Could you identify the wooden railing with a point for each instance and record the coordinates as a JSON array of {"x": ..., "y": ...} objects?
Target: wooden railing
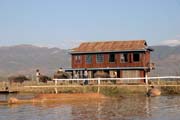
[{"x": 122, "y": 80}]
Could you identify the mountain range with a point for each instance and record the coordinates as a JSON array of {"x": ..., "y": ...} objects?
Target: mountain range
[
  {"x": 166, "y": 59},
  {"x": 25, "y": 59}
]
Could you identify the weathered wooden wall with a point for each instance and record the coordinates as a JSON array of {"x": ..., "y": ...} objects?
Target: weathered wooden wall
[{"x": 144, "y": 60}]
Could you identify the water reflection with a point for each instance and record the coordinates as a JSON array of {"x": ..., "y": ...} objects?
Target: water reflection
[{"x": 134, "y": 107}]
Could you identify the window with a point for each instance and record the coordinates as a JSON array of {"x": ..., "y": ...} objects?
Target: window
[
  {"x": 88, "y": 59},
  {"x": 78, "y": 59},
  {"x": 99, "y": 58},
  {"x": 112, "y": 57},
  {"x": 124, "y": 57},
  {"x": 136, "y": 57}
]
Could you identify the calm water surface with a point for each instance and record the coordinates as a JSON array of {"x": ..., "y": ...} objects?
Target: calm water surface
[{"x": 127, "y": 108}]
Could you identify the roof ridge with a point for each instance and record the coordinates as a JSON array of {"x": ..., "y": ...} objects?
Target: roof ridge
[
  {"x": 101, "y": 46},
  {"x": 113, "y": 41}
]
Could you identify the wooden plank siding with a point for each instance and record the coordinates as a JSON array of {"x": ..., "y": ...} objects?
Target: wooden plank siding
[
  {"x": 142, "y": 73},
  {"x": 143, "y": 61}
]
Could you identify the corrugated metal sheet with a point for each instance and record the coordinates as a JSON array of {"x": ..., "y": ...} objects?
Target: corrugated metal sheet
[{"x": 111, "y": 46}]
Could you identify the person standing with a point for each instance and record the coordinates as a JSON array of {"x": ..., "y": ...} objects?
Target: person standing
[
  {"x": 76, "y": 75},
  {"x": 115, "y": 74},
  {"x": 37, "y": 75},
  {"x": 60, "y": 70}
]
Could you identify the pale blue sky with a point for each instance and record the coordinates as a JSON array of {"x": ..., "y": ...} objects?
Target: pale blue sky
[{"x": 65, "y": 23}]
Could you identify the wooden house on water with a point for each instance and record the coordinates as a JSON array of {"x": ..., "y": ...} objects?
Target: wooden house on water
[{"x": 122, "y": 59}]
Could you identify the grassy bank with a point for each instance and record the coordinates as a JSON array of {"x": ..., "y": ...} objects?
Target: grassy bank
[{"x": 109, "y": 90}]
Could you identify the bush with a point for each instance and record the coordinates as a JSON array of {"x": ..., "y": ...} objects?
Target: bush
[{"x": 18, "y": 79}]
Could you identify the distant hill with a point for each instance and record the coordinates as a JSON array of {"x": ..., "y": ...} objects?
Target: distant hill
[
  {"x": 166, "y": 59},
  {"x": 25, "y": 59}
]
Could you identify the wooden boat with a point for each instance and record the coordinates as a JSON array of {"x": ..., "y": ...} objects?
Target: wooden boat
[
  {"x": 62, "y": 97},
  {"x": 7, "y": 92}
]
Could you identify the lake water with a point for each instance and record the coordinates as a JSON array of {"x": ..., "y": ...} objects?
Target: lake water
[{"x": 133, "y": 107}]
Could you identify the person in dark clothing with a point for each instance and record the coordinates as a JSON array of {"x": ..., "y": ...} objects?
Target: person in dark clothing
[{"x": 85, "y": 76}]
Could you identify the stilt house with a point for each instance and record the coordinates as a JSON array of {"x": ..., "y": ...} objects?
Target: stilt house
[{"x": 123, "y": 59}]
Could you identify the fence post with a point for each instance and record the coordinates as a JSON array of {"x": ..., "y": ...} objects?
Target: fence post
[
  {"x": 55, "y": 82},
  {"x": 99, "y": 81},
  {"x": 158, "y": 80},
  {"x": 146, "y": 80},
  {"x": 55, "y": 89}
]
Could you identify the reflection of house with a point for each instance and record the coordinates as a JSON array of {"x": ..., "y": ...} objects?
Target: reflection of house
[{"x": 124, "y": 58}]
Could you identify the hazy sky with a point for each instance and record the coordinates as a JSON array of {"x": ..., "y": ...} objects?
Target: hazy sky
[{"x": 65, "y": 23}]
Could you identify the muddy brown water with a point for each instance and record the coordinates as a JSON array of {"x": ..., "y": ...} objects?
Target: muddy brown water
[{"x": 131, "y": 107}]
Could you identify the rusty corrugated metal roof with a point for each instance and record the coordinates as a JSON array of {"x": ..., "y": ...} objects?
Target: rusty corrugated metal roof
[{"x": 111, "y": 46}]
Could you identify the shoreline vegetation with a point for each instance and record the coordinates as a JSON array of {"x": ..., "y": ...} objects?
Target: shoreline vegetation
[
  {"x": 49, "y": 92},
  {"x": 166, "y": 87}
]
